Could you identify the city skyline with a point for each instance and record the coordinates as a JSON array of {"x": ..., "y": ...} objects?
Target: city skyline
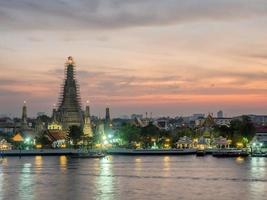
[{"x": 136, "y": 56}]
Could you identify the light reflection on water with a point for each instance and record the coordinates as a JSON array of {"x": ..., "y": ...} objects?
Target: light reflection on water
[
  {"x": 26, "y": 182},
  {"x": 130, "y": 177},
  {"x": 63, "y": 163},
  {"x": 105, "y": 180},
  {"x": 258, "y": 171}
]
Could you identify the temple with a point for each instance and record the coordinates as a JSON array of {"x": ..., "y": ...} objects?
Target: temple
[
  {"x": 87, "y": 129},
  {"x": 69, "y": 109},
  {"x": 24, "y": 123}
]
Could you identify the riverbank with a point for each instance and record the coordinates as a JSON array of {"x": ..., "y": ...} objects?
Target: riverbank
[{"x": 58, "y": 152}]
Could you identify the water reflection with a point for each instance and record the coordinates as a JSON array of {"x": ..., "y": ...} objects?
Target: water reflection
[
  {"x": 38, "y": 162},
  {"x": 240, "y": 160},
  {"x": 63, "y": 163},
  {"x": 26, "y": 182},
  {"x": 258, "y": 172},
  {"x": 159, "y": 177},
  {"x": 1, "y": 181},
  {"x": 105, "y": 184},
  {"x": 166, "y": 163}
]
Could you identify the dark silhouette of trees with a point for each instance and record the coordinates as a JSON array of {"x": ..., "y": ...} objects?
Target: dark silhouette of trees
[{"x": 75, "y": 134}]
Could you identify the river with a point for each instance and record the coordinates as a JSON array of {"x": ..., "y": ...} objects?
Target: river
[{"x": 133, "y": 177}]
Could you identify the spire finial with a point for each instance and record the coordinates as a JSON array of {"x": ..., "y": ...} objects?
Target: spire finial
[{"x": 70, "y": 60}]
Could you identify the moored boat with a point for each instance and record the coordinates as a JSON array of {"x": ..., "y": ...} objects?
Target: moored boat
[
  {"x": 259, "y": 154},
  {"x": 230, "y": 153},
  {"x": 88, "y": 155},
  {"x": 144, "y": 152},
  {"x": 201, "y": 152}
]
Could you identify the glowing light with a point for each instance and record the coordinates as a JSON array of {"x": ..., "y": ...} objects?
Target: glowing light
[
  {"x": 166, "y": 145},
  {"x": 105, "y": 142},
  {"x": 137, "y": 145},
  {"x": 239, "y": 145},
  {"x": 27, "y": 140},
  {"x": 38, "y": 146}
]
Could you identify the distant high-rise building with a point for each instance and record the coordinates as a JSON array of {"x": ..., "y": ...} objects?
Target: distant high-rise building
[
  {"x": 220, "y": 114},
  {"x": 69, "y": 110}
]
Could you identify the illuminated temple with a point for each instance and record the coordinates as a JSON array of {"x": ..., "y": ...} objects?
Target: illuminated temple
[{"x": 69, "y": 107}]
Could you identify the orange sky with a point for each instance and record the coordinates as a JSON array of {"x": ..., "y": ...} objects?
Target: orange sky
[{"x": 167, "y": 57}]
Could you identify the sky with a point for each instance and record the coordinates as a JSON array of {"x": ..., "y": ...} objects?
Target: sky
[{"x": 171, "y": 57}]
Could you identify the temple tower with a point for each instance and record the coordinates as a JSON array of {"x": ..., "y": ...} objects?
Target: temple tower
[
  {"x": 69, "y": 109},
  {"x": 108, "y": 123},
  {"x": 24, "y": 123},
  {"x": 87, "y": 129}
]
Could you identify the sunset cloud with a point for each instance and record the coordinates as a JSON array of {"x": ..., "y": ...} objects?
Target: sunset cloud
[
  {"x": 169, "y": 57},
  {"x": 110, "y": 14}
]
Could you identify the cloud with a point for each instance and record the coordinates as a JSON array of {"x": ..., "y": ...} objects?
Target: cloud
[{"x": 110, "y": 14}]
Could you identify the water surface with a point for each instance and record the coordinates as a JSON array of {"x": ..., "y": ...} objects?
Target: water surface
[{"x": 133, "y": 177}]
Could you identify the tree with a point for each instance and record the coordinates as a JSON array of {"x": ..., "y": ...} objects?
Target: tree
[
  {"x": 75, "y": 134},
  {"x": 149, "y": 133},
  {"x": 129, "y": 133},
  {"x": 43, "y": 140},
  {"x": 242, "y": 128}
]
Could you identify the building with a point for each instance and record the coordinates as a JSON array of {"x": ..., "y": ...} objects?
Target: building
[
  {"x": 7, "y": 126},
  {"x": 69, "y": 110},
  {"x": 259, "y": 119},
  {"x": 24, "y": 118},
  {"x": 25, "y": 126},
  {"x": 87, "y": 128},
  {"x": 223, "y": 121},
  {"x": 162, "y": 124},
  {"x": 259, "y": 142},
  {"x": 134, "y": 116},
  {"x": 108, "y": 123},
  {"x": 220, "y": 114}
]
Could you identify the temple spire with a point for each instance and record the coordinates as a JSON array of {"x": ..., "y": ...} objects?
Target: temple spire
[
  {"x": 108, "y": 123},
  {"x": 24, "y": 115},
  {"x": 24, "y": 112},
  {"x": 69, "y": 102},
  {"x": 87, "y": 129}
]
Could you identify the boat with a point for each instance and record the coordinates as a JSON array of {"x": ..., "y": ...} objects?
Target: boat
[
  {"x": 201, "y": 152},
  {"x": 230, "y": 153},
  {"x": 122, "y": 151},
  {"x": 88, "y": 155},
  {"x": 259, "y": 154}
]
